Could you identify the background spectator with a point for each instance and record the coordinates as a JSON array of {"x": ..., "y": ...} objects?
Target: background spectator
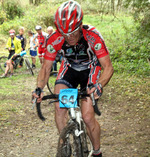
[{"x": 23, "y": 42}]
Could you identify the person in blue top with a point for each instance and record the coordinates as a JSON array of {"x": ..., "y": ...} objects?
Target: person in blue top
[
  {"x": 33, "y": 49},
  {"x": 23, "y": 42}
]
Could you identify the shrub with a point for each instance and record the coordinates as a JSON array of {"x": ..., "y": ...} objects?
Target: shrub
[
  {"x": 12, "y": 8},
  {"x": 2, "y": 16},
  {"x": 42, "y": 15}
]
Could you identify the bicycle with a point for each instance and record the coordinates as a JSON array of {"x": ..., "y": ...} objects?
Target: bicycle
[
  {"x": 73, "y": 140},
  {"x": 16, "y": 61},
  {"x": 3, "y": 60}
]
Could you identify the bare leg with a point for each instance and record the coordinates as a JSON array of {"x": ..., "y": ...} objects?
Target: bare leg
[
  {"x": 7, "y": 67},
  {"x": 41, "y": 60},
  {"x": 33, "y": 60},
  {"x": 60, "y": 114},
  {"x": 11, "y": 67},
  {"x": 93, "y": 127}
]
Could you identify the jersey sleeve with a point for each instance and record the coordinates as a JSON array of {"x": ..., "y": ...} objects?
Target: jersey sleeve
[
  {"x": 96, "y": 41},
  {"x": 100, "y": 48},
  {"x": 50, "y": 52},
  {"x": 36, "y": 35},
  {"x": 54, "y": 44}
]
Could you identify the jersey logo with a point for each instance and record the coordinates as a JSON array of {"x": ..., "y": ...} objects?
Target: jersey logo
[
  {"x": 57, "y": 41},
  {"x": 98, "y": 46},
  {"x": 91, "y": 39},
  {"x": 69, "y": 50},
  {"x": 50, "y": 49}
]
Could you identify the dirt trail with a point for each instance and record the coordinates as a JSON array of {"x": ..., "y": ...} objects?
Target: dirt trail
[{"x": 124, "y": 132}]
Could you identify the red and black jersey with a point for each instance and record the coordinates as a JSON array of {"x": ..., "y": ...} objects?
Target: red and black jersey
[{"x": 87, "y": 51}]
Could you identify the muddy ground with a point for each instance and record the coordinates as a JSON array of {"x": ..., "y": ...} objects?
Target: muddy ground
[{"x": 125, "y": 124}]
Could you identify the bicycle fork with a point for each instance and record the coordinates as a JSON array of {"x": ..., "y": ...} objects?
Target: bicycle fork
[{"x": 76, "y": 115}]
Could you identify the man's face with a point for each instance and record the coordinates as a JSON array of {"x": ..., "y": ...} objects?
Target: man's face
[
  {"x": 50, "y": 31},
  {"x": 29, "y": 34},
  {"x": 72, "y": 38},
  {"x": 39, "y": 31},
  {"x": 21, "y": 32},
  {"x": 12, "y": 36}
]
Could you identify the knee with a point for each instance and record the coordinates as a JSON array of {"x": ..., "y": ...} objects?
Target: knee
[
  {"x": 7, "y": 62},
  {"x": 58, "y": 111},
  {"x": 88, "y": 118}
]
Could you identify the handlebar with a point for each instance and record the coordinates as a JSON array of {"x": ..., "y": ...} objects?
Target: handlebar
[{"x": 81, "y": 95}]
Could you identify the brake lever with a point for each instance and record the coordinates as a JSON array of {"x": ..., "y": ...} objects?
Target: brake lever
[
  {"x": 34, "y": 103},
  {"x": 38, "y": 107},
  {"x": 94, "y": 102},
  {"x": 93, "y": 99}
]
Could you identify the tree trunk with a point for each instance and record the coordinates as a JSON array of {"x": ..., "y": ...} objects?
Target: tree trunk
[
  {"x": 119, "y": 3},
  {"x": 112, "y": 6},
  {"x": 30, "y": 1},
  {"x": 37, "y": 2},
  {"x": 2, "y": 3}
]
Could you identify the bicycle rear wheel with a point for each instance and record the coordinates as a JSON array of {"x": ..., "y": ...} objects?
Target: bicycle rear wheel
[
  {"x": 69, "y": 145},
  {"x": 29, "y": 66},
  {"x": 3, "y": 60}
]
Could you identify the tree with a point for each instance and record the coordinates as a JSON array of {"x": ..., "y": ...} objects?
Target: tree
[
  {"x": 141, "y": 14},
  {"x": 30, "y": 1},
  {"x": 112, "y": 6},
  {"x": 37, "y": 2}
]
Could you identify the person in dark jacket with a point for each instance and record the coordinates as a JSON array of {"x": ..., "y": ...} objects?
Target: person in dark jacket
[{"x": 23, "y": 42}]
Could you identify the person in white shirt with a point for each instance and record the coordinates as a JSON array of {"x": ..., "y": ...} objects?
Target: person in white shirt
[{"x": 33, "y": 49}]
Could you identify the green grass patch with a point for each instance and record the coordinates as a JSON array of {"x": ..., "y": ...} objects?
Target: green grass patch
[{"x": 128, "y": 54}]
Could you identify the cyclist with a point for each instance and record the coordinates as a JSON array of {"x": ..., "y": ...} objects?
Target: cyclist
[
  {"x": 84, "y": 54},
  {"x": 33, "y": 51},
  {"x": 41, "y": 36},
  {"x": 23, "y": 42},
  {"x": 14, "y": 47}
]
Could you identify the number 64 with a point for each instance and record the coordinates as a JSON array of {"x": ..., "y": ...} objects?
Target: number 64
[{"x": 65, "y": 100}]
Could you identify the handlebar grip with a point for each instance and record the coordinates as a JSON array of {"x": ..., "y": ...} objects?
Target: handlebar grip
[
  {"x": 38, "y": 107},
  {"x": 96, "y": 110},
  {"x": 94, "y": 102}
]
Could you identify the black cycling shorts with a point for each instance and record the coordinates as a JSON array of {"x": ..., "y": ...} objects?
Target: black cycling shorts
[
  {"x": 72, "y": 78},
  {"x": 11, "y": 53}
]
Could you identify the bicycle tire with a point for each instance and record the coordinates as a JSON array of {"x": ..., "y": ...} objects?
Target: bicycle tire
[
  {"x": 3, "y": 60},
  {"x": 85, "y": 142},
  {"x": 65, "y": 149},
  {"x": 29, "y": 66}
]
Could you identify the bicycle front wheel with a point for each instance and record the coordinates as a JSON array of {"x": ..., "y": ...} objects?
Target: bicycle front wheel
[
  {"x": 86, "y": 143},
  {"x": 29, "y": 66},
  {"x": 69, "y": 145}
]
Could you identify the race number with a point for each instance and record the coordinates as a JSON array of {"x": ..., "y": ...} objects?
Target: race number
[{"x": 68, "y": 98}]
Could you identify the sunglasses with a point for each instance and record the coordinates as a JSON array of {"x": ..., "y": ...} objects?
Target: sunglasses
[{"x": 71, "y": 33}]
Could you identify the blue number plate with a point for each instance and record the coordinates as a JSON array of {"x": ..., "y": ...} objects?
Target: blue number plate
[{"x": 68, "y": 98}]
